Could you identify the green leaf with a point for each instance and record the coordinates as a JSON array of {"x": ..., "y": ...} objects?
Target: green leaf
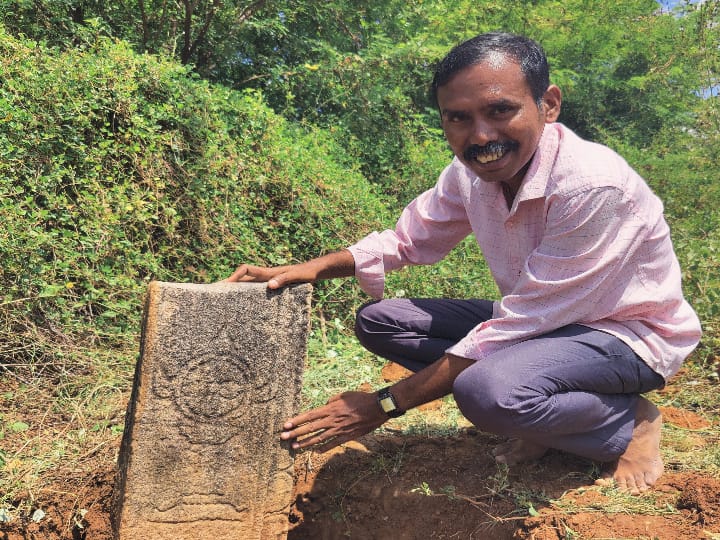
[{"x": 18, "y": 427}]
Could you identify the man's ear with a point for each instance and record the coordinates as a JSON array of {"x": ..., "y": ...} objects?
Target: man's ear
[{"x": 551, "y": 103}]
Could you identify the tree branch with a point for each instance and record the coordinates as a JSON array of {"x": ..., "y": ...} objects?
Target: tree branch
[
  {"x": 248, "y": 11},
  {"x": 203, "y": 31},
  {"x": 187, "y": 30}
]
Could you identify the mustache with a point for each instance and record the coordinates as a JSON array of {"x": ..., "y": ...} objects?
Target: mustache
[{"x": 475, "y": 150}]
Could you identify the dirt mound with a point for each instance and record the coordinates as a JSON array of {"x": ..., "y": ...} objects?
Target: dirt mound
[{"x": 413, "y": 487}]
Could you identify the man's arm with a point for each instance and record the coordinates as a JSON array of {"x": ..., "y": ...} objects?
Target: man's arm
[
  {"x": 350, "y": 415},
  {"x": 332, "y": 265}
]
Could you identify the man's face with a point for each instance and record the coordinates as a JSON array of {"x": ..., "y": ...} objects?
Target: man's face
[{"x": 491, "y": 120}]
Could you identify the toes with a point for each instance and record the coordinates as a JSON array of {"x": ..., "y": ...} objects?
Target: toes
[
  {"x": 632, "y": 488},
  {"x": 631, "y": 484},
  {"x": 641, "y": 483},
  {"x": 621, "y": 484}
]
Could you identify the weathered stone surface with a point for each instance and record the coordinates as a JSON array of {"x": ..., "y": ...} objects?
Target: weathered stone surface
[{"x": 220, "y": 370}]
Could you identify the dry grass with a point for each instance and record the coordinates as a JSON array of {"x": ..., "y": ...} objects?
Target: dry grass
[{"x": 59, "y": 423}]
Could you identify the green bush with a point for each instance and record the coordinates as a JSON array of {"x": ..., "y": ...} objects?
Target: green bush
[{"x": 117, "y": 168}]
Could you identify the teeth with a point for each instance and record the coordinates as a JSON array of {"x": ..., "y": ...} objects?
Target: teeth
[{"x": 489, "y": 157}]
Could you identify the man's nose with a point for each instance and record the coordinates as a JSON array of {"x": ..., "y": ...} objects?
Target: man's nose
[{"x": 482, "y": 132}]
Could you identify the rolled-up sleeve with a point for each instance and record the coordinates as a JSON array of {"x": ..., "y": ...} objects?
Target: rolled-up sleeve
[{"x": 428, "y": 228}]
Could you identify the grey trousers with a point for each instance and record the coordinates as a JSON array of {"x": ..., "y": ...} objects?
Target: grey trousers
[{"x": 573, "y": 389}]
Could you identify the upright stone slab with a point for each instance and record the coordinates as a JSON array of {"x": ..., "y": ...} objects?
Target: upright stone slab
[{"x": 220, "y": 370}]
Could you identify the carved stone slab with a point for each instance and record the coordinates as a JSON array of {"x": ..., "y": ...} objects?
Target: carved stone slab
[{"x": 220, "y": 370}]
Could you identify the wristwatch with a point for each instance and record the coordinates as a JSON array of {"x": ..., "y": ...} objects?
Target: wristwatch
[{"x": 388, "y": 404}]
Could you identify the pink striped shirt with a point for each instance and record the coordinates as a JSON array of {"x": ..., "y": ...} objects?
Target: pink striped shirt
[{"x": 585, "y": 242}]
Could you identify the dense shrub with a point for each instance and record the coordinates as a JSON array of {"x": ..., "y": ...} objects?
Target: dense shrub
[{"x": 116, "y": 169}]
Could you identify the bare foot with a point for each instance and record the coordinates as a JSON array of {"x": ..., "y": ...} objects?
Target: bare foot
[
  {"x": 640, "y": 466},
  {"x": 518, "y": 450}
]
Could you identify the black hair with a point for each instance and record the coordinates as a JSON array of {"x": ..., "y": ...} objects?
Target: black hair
[{"x": 526, "y": 52}]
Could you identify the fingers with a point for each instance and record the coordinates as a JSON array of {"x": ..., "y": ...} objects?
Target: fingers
[
  {"x": 303, "y": 430},
  {"x": 314, "y": 423},
  {"x": 235, "y": 276},
  {"x": 345, "y": 417},
  {"x": 307, "y": 435},
  {"x": 306, "y": 418},
  {"x": 318, "y": 441},
  {"x": 324, "y": 440},
  {"x": 308, "y": 422},
  {"x": 275, "y": 277},
  {"x": 246, "y": 272},
  {"x": 287, "y": 275},
  {"x": 279, "y": 281},
  {"x": 321, "y": 429}
]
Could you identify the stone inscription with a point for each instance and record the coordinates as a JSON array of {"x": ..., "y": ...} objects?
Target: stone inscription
[{"x": 220, "y": 370}]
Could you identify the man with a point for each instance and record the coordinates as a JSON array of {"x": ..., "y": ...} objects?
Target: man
[{"x": 591, "y": 315}]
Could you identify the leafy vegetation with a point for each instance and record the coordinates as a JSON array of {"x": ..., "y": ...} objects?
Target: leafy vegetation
[
  {"x": 117, "y": 169},
  {"x": 121, "y": 168}
]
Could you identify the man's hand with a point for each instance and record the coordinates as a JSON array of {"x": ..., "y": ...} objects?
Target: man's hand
[
  {"x": 352, "y": 414},
  {"x": 346, "y": 417},
  {"x": 338, "y": 264},
  {"x": 275, "y": 277}
]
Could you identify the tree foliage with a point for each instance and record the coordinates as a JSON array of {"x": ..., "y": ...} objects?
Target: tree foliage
[{"x": 627, "y": 69}]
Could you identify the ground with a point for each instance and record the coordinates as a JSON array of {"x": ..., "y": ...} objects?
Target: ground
[
  {"x": 393, "y": 485},
  {"x": 413, "y": 488}
]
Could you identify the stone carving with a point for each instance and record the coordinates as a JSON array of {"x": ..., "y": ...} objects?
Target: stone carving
[{"x": 220, "y": 370}]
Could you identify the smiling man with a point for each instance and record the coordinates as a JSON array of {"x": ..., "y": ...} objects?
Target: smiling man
[{"x": 591, "y": 315}]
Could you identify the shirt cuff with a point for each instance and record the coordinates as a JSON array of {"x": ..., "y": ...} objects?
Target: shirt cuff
[
  {"x": 465, "y": 349},
  {"x": 369, "y": 268},
  {"x": 472, "y": 346}
]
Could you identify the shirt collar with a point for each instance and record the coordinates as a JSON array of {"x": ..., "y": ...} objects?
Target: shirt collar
[{"x": 534, "y": 185}]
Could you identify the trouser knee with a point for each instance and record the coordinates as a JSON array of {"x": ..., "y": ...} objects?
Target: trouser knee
[
  {"x": 366, "y": 328},
  {"x": 484, "y": 401}
]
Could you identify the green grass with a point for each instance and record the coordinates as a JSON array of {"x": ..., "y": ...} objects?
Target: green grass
[{"x": 60, "y": 426}]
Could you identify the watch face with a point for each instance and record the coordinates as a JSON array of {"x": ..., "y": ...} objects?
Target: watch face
[{"x": 387, "y": 403}]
